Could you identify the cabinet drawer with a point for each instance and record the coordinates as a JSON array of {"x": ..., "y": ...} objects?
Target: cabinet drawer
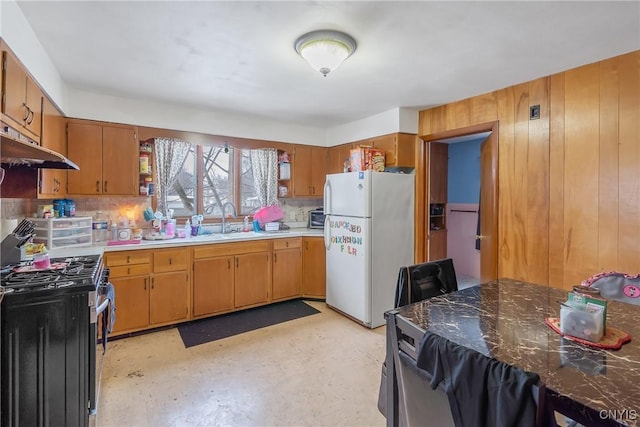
[
  {"x": 293, "y": 242},
  {"x": 217, "y": 249},
  {"x": 170, "y": 260},
  {"x": 127, "y": 258},
  {"x": 129, "y": 270}
]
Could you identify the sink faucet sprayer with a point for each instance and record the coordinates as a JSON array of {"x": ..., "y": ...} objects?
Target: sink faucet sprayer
[{"x": 223, "y": 230}]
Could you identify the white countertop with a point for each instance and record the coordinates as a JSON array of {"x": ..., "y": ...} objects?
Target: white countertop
[{"x": 191, "y": 241}]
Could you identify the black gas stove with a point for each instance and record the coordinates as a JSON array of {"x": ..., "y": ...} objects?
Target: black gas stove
[
  {"x": 48, "y": 322},
  {"x": 67, "y": 272}
]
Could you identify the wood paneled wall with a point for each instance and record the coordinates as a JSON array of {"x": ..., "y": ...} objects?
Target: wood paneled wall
[{"x": 569, "y": 182}]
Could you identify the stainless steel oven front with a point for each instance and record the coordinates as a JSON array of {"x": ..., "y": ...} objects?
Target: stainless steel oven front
[{"x": 99, "y": 303}]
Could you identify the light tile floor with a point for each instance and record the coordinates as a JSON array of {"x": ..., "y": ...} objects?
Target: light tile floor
[{"x": 320, "y": 370}]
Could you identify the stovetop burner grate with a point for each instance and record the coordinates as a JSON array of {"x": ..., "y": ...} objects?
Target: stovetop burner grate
[{"x": 80, "y": 270}]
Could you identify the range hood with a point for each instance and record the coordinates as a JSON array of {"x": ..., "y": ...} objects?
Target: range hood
[{"x": 15, "y": 152}]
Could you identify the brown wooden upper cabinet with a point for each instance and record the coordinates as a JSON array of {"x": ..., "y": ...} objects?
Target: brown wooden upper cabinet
[
  {"x": 438, "y": 169},
  {"x": 399, "y": 148},
  {"x": 107, "y": 156},
  {"x": 309, "y": 170},
  {"x": 337, "y": 157},
  {"x": 21, "y": 98},
  {"x": 52, "y": 182}
]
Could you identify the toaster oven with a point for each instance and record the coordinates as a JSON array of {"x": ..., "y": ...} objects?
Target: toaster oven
[{"x": 316, "y": 218}]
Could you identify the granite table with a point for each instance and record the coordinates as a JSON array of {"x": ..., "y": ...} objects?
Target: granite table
[{"x": 505, "y": 320}]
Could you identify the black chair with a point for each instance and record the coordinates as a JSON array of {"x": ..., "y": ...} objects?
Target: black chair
[
  {"x": 416, "y": 283},
  {"x": 426, "y": 280}
]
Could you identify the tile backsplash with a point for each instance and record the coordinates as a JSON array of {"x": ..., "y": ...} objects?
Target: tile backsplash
[{"x": 295, "y": 210}]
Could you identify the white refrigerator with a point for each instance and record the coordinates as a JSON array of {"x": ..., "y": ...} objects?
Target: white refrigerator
[{"x": 368, "y": 236}]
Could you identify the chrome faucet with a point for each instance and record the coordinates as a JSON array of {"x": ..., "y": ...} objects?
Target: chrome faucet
[{"x": 235, "y": 214}]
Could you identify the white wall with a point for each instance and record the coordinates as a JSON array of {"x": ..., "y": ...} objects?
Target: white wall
[
  {"x": 394, "y": 120},
  {"x": 95, "y": 106},
  {"x": 17, "y": 32}
]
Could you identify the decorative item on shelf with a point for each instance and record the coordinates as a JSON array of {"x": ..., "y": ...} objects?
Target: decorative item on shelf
[
  {"x": 285, "y": 170},
  {"x": 151, "y": 187},
  {"x": 146, "y": 147},
  {"x": 283, "y": 157},
  {"x": 144, "y": 163},
  {"x": 325, "y": 50}
]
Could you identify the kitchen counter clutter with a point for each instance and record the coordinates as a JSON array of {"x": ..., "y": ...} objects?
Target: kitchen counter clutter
[
  {"x": 504, "y": 320},
  {"x": 161, "y": 283},
  {"x": 198, "y": 240}
]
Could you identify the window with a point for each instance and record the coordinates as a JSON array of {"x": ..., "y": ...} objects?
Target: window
[{"x": 210, "y": 177}]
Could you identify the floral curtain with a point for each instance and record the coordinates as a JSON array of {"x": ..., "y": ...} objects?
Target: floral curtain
[
  {"x": 170, "y": 156},
  {"x": 264, "y": 165}
]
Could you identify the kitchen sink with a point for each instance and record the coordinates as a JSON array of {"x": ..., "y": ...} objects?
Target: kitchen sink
[{"x": 208, "y": 237}]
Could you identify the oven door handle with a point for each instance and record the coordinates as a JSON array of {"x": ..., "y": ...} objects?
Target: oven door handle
[{"x": 102, "y": 307}]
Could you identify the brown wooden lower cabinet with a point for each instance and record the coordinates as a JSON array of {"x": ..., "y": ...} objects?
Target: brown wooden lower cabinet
[
  {"x": 213, "y": 285},
  {"x": 437, "y": 244},
  {"x": 287, "y": 269},
  {"x": 251, "y": 279},
  {"x": 132, "y": 303},
  {"x": 168, "y": 298},
  {"x": 166, "y": 286},
  {"x": 149, "y": 293},
  {"x": 314, "y": 272}
]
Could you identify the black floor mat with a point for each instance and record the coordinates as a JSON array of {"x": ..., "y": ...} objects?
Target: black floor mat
[{"x": 226, "y": 325}]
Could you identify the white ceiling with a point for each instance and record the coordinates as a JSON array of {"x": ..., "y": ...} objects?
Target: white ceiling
[{"x": 238, "y": 56}]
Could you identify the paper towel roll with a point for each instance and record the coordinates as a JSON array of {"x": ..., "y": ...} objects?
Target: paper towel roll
[{"x": 7, "y": 226}]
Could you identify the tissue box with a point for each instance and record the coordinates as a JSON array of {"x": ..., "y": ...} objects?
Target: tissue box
[
  {"x": 580, "y": 323},
  {"x": 589, "y": 303}
]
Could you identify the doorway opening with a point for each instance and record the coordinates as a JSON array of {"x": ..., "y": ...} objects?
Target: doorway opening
[
  {"x": 460, "y": 208},
  {"x": 457, "y": 203}
]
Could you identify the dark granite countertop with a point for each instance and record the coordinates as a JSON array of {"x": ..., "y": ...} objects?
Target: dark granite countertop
[{"x": 505, "y": 320}]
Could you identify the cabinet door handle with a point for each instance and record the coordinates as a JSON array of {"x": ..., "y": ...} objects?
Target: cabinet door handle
[
  {"x": 97, "y": 186},
  {"x": 275, "y": 257},
  {"x": 128, "y": 259},
  {"x": 30, "y": 116},
  {"x": 128, "y": 270},
  {"x": 105, "y": 187},
  {"x": 237, "y": 263},
  {"x": 286, "y": 244},
  {"x": 306, "y": 245},
  {"x": 153, "y": 283},
  {"x": 26, "y": 112},
  {"x": 313, "y": 189},
  {"x": 310, "y": 189},
  {"x": 145, "y": 283},
  {"x": 170, "y": 261},
  {"x": 228, "y": 264}
]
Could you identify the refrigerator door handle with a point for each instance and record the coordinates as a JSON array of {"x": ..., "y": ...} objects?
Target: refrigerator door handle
[
  {"x": 327, "y": 197},
  {"x": 327, "y": 233}
]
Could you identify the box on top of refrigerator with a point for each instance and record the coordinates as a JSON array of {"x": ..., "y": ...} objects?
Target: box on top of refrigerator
[{"x": 367, "y": 158}]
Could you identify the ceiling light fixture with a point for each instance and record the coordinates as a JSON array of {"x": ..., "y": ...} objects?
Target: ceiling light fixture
[{"x": 325, "y": 50}]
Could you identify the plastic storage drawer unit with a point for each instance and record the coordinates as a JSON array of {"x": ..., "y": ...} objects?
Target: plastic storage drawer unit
[{"x": 63, "y": 232}]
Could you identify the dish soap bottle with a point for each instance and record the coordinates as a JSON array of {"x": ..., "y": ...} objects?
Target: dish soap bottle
[
  {"x": 187, "y": 229},
  {"x": 245, "y": 227},
  {"x": 114, "y": 231},
  {"x": 99, "y": 227}
]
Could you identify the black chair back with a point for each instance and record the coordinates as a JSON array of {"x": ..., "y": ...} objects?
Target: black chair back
[{"x": 426, "y": 280}]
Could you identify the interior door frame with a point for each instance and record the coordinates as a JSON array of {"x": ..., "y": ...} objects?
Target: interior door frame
[{"x": 489, "y": 226}]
